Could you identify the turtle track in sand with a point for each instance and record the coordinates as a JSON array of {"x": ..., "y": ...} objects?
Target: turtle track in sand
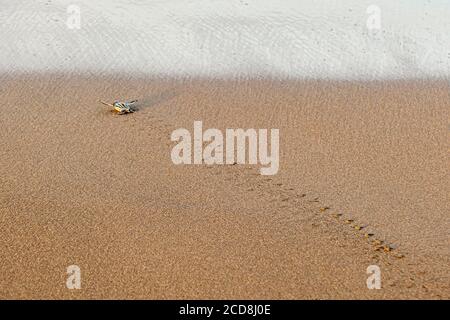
[{"x": 289, "y": 203}]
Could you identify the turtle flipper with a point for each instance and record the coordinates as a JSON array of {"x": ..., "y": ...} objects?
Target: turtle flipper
[{"x": 106, "y": 104}]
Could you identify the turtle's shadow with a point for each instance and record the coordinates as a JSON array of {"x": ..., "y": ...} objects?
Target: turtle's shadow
[{"x": 154, "y": 100}]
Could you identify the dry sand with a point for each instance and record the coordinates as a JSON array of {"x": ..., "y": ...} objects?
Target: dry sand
[{"x": 82, "y": 186}]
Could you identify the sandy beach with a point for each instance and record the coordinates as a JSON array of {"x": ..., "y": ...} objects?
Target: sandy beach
[
  {"x": 363, "y": 180},
  {"x": 356, "y": 91}
]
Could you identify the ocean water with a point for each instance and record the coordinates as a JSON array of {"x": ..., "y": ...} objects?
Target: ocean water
[{"x": 346, "y": 39}]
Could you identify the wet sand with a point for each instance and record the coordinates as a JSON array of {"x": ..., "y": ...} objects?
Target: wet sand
[{"x": 83, "y": 186}]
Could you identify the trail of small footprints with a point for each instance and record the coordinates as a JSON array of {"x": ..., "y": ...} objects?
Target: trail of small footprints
[{"x": 288, "y": 197}]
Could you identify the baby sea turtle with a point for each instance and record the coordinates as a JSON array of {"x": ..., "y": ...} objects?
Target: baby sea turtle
[{"x": 122, "y": 107}]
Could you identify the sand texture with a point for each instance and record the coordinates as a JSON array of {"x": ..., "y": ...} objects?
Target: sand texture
[{"x": 363, "y": 180}]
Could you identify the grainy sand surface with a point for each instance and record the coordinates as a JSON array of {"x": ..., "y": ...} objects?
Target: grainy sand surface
[{"x": 80, "y": 185}]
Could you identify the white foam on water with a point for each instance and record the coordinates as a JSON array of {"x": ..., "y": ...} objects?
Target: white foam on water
[{"x": 220, "y": 38}]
